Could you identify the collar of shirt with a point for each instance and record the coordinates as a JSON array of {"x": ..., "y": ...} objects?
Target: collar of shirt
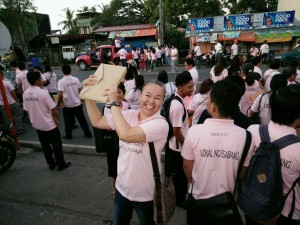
[{"x": 285, "y": 129}]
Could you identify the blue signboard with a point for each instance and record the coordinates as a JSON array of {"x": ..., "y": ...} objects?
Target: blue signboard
[
  {"x": 278, "y": 19},
  {"x": 238, "y": 22},
  {"x": 194, "y": 26}
]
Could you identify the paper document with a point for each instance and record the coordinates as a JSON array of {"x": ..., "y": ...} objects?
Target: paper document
[{"x": 105, "y": 75}]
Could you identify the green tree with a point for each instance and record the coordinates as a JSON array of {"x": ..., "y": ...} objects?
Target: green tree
[
  {"x": 176, "y": 37},
  {"x": 253, "y": 6},
  {"x": 69, "y": 24},
  {"x": 19, "y": 17}
]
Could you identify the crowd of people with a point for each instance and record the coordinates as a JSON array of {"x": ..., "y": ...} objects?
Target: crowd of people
[{"x": 208, "y": 126}]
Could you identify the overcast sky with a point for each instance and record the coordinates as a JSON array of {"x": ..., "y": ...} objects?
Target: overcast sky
[{"x": 54, "y": 8}]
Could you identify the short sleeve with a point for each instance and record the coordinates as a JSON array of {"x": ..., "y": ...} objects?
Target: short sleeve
[
  {"x": 255, "y": 104},
  {"x": 187, "y": 148},
  {"x": 176, "y": 113},
  {"x": 155, "y": 130}
]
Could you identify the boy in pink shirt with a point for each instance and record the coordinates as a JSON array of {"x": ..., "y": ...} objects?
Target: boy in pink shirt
[
  {"x": 44, "y": 118},
  {"x": 212, "y": 151}
]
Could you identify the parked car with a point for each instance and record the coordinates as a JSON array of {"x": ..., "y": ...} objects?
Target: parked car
[
  {"x": 99, "y": 55},
  {"x": 286, "y": 56}
]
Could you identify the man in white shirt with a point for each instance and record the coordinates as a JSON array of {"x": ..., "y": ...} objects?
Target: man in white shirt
[
  {"x": 218, "y": 49},
  {"x": 174, "y": 58},
  {"x": 197, "y": 52},
  {"x": 21, "y": 79},
  {"x": 68, "y": 98},
  {"x": 264, "y": 51},
  {"x": 234, "y": 49},
  {"x": 254, "y": 51},
  {"x": 123, "y": 54}
]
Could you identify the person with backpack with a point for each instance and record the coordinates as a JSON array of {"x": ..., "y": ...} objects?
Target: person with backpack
[
  {"x": 261, "y": 105},
  {"x": 177, "y": 117},
  {"x": 269, "y": 191},
  {"x": 50, "y": 81},
  {"x": 212, "y": 154}
]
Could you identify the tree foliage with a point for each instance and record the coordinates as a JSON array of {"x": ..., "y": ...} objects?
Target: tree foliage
[
  {"x": 69, "y": 24},
  {"x": 253, "y": 6},
  {"x": 21, "y": 24}
]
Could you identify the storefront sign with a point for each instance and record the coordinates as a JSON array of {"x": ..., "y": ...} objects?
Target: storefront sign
[
  {"x": 239, "y": 22},
  {"x": 290, "y": 32},
  {"x": 194, "y": 26},
  {"x": 231, "y": 34},
  {"x": 205, "y": 37},
  {"x": 278, "y": 19}
]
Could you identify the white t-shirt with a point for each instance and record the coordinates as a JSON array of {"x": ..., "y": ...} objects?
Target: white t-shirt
[
  {"x": 264, "y": 108},
  {"x": 118, "y": 43},
  {"x": 194, "y": 73},
  {"x": 290, "y": 163},
  {"x": 175, "y": 116},
  {"x": 167, "y": 51},
  {"x": 246, "y": 100},
  {"x": 153, "y": 56},
  {"x": 135, "y": 179},
  {"x": 158, "y": 53},
  {"x": 235, "y": 49},
  {"x": 51, "y": 76},
  {"x": 218, "y": 48},
  {"x": 264, "y": 49},
  {"x": 197, "y": 50},
  {"x": 8, "y": 89},
  {"x": 70, "y": 86},
  {"x": 222, "y": 76},
  {"x": 267, "y": 77},
  {"x": 21, "y": 78},
  {"x": 133, "y": 98},
  {"x": 174, "y": 53},
  {"x": 38, "y": 103},
  {"x": 198, "y": 109},
  {"x": 216, "y": 148},
  {"x": 257, "y": 70},
  {"x": 135, "y": 55},
  {"x": 254, "y": 51},
  {"x": 122, "y": 53},
  {"x": 170, "y": 89}
]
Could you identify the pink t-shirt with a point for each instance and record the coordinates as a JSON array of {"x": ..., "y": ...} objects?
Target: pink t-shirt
[
  {"x": 175, "y": 115},
  {"x": 216, "y": 153},
  {"x": 246, "y": 101},
  {"x": 198, "y": 98},
  {"x": 38, "y": 103},
  {"x": 8, "y": 89},
  {"x": 21, "y": 78},
  {"x": 51, "y": 76},
  {"x": 262, "y": 105},
  {"x": 290, "y": 163},
  {"x": 135, "y": 179},
  {"x": 133, "y": 98},
  {"x": 70, "y": 86}
]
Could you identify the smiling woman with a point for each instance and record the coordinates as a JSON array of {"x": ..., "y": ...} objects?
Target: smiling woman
[{"x": 136, "y": 129}]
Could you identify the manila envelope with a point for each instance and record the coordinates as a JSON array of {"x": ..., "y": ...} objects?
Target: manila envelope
[{"x": 105, "y": 76}]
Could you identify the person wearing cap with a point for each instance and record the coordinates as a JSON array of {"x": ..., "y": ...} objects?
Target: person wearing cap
[{"x": 14, "y": 106}]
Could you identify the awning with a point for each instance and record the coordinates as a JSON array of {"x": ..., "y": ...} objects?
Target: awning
[
  {"x": 270, "y": 40},
  {"x": 146, "y": 32},
  {"x": 242, "y": 36}
]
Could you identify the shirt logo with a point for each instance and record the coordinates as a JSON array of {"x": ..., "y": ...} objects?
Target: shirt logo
[{"x": 262, "y": 178}]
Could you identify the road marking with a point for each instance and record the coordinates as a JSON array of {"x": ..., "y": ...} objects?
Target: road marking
[{"x": 64, "y": 145}]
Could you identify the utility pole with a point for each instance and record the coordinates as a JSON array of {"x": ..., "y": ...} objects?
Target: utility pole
[{"x": 161, "y": 24}]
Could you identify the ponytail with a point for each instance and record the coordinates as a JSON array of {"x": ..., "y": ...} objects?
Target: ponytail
[{"x": 250, "y": 78}]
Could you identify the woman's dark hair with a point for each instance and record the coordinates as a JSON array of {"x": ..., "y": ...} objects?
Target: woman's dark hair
[
  {"x": 205, "y": 86},
  {"x": 289, "y": 71},
  {"x": 256, "y": 60},
  {"x": 153, "y": 50},
  {"x": 139, "y": 82},
  {"x": 278, "y": 82},
  {"x": 183, "y": 78},
  {"x": 48, "y": 68},
  {"x": 133, "y": 69},
  {"x": 250, "y": 76},
  {"x": 219, "y": 67},
  {"x": 163, "y": 76},
  {"x": 275, "y": 64},
  {"x": 235, "y": 66},
  {"x": 293, "y": 62},
  {"x": 21, "y": 66},
  {"x": 240, "y": 83},
  {"x": 141, "y": 50},
  {"x": 285, "y": 105},
  {"x": 134, "y": 48},
  {"x": 223, "y": 94},
  {"x": 129, "y": 75},
  {"x": 122, "y": 87}
]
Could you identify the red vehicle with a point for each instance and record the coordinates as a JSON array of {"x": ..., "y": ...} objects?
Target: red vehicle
[{"x": 98, "y": 55}]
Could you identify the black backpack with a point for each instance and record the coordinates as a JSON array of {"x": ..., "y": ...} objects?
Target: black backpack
[
  {"x": 166, "y": 110},
  {"x": 260, "y": 193}
]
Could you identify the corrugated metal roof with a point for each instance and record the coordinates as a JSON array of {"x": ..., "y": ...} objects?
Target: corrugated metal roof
[{"x": 126, "y": 27}]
